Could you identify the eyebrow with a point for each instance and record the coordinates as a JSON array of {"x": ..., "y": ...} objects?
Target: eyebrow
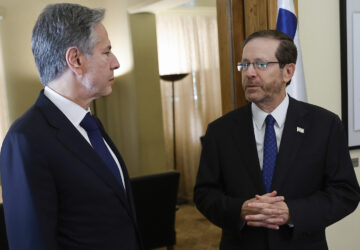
[
  {"x": 108, "y": 47},
  {"x": 256, "y": 59}
]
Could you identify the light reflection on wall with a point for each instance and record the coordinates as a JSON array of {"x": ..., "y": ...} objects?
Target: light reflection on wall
[
  {"x": 3, "y": 97},
  {"x": 117, "y": 24}
]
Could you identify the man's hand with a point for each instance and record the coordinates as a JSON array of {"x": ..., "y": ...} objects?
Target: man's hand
[{"x": 268, "y": 210}]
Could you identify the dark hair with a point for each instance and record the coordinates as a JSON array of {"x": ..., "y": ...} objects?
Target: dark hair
[
  {"x": 285, "y": 53},
  {"x": 59, "y": 27}
]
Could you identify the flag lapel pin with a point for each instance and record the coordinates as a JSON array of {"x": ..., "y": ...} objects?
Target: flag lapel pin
[{"x": 300, "y": 130}]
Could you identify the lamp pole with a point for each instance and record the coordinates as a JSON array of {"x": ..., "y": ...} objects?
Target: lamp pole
[{"x": 173, "y": 78}]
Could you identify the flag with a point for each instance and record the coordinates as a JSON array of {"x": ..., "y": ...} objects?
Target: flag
[{"x": 287, "y": 23}]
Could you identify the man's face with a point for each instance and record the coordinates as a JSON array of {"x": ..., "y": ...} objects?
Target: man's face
[
  {"x": 265, "y": 87},
  {"x": 99, "y": 67}
]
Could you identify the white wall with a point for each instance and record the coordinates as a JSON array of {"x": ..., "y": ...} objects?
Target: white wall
[{"x": 320, "y": 41}]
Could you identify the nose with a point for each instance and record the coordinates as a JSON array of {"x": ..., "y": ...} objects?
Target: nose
[
  {"x": 115, "y": 63},
  {"x": 251, "y": 71}
]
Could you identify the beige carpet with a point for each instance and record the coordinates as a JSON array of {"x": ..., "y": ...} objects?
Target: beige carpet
[{"x": 194, "y": 231}]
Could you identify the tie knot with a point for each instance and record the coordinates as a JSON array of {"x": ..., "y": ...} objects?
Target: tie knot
[
  {"x": 270, "y": 120},
  {"x": 89, "y": 123}
]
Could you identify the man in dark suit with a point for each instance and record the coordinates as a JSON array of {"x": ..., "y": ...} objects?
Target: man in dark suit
[
  {"x": 274, "y": 173},
  {"x": 65, "y": 185}
]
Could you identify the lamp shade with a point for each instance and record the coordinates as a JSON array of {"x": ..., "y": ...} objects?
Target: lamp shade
[{"x": 173, "y": 77}]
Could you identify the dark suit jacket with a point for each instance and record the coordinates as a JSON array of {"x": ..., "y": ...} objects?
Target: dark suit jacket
[
  {"x": 313, "y": 171},
  {"x": 57, "y": 192}
]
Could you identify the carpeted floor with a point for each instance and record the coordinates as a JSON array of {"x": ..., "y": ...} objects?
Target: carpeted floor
[{"x": 194, "y": 231}]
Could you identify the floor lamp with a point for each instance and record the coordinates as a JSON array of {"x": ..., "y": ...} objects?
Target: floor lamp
[{"x": 173, "y": 78}]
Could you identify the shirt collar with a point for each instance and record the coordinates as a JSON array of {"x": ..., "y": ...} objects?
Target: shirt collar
[
  {"x": 71, "y": 110},
  {"x": 279, "y": 114}
]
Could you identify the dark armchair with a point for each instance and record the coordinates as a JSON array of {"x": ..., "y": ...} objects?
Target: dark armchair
[
  {"x": 3, "y": 238},
  {"x": 155, "y": 202}
]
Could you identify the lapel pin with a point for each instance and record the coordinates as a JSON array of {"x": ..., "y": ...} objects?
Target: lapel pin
[{"x": 300, "y": 130}]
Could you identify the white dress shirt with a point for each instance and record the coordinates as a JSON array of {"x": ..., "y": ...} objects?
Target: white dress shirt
[
  {"x": 76, "y": 114},
  {"x": 259, "y": 117}
]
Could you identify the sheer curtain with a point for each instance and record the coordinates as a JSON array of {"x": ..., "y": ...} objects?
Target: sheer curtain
[
  {"x": 3, "y": 99},
  {"x": 188, "y": 43}
]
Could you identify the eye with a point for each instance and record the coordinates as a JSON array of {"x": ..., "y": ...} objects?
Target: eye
[
  {"x": 260, "y": 65},
  {"x": 246, "y": 65},
  {"x": 107, "y": 53}
]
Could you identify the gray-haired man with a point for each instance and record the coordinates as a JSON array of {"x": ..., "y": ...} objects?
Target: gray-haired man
[{"x": 65, "y": 185}]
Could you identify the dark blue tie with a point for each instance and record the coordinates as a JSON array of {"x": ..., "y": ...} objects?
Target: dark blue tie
[
  {"x": 97, "y": 141},
  {"x": 270, "y": 152}
]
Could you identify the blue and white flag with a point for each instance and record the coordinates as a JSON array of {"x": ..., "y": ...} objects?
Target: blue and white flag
[{"x": 287, "y": 23}]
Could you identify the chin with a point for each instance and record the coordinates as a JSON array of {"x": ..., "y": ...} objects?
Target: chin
[
  {"x": 254, "y": 96},
  {"x": 108, "y": 91},
  {"x": 251, "y": 97}
]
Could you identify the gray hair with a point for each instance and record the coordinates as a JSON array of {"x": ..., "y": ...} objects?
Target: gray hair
[{"x": 59, "y": 27}]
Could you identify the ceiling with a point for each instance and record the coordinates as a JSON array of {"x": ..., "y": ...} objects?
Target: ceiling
[
  {"x": 161, "y": 5},
  {"x": 200, "y": 3}
]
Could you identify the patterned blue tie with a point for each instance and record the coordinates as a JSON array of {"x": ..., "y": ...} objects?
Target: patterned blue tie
[
  {"x": 270, "y": 152},
  {"x": 97, "y": 141}
]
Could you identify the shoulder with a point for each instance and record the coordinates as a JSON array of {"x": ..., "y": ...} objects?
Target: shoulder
[
  {"x": 30, "y": 128},
  {"x": 27, "y": 121},
  {"x": 313, "y": 112},
  {"x": 32, "y": 117},
  {"x": 232, "y": 116},
  {"x": 235, "y": 118}
]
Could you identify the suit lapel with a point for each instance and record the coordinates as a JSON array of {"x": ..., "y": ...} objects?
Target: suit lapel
[
  {"x": 291, "y": 140},
  {"x": 130, "y": 203},
  {"x": 122, "y": 165},
  {"x": 244, "y": 132},
  {"x": 75, "y": 142}
]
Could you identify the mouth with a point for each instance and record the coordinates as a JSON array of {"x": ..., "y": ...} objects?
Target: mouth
[{"x": 251, "y": 86}]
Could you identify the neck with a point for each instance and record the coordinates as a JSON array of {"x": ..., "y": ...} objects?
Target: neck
[
  {"x": 271, "y": 105},
  {"x": 69, "y": 88}
]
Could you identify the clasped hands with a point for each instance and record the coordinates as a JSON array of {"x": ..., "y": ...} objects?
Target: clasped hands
[{"x": 268, "y": 210}]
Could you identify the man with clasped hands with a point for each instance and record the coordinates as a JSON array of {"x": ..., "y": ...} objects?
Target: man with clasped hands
[{"x": 274, "y": 173}]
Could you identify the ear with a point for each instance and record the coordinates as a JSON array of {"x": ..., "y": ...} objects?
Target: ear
[
  {"x": 288, "y": 71},
  {"x": 74, "y": 60}
]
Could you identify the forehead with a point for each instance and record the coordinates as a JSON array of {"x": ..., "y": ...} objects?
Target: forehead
[
  {"x": 260, "y": 48},
  {"x": 102, "y": 35}
]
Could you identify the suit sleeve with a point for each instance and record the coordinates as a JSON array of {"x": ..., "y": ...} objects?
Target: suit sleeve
[
  {"x": 29, "y": 195},
  {"x": 340, "y": 193},
  {"x": 222, "y": 210}
]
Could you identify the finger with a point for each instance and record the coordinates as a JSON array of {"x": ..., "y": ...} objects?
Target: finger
[
  {"x": 276, "y": 220},
  {"x": 266, "y": 209},
  {"x": 272, "y": 194},
  {"x": 258, "y": 205},
  {"x": 245, "y": 209},
  {"x": 261, "y": 224},
  {"x": 269, "y": 199},
  {"x": 257, "y": 217},
  {"x": 272, "y": 212},
  {"x": 265, "y": 197},
  {"x": 263, "y": 205}
]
